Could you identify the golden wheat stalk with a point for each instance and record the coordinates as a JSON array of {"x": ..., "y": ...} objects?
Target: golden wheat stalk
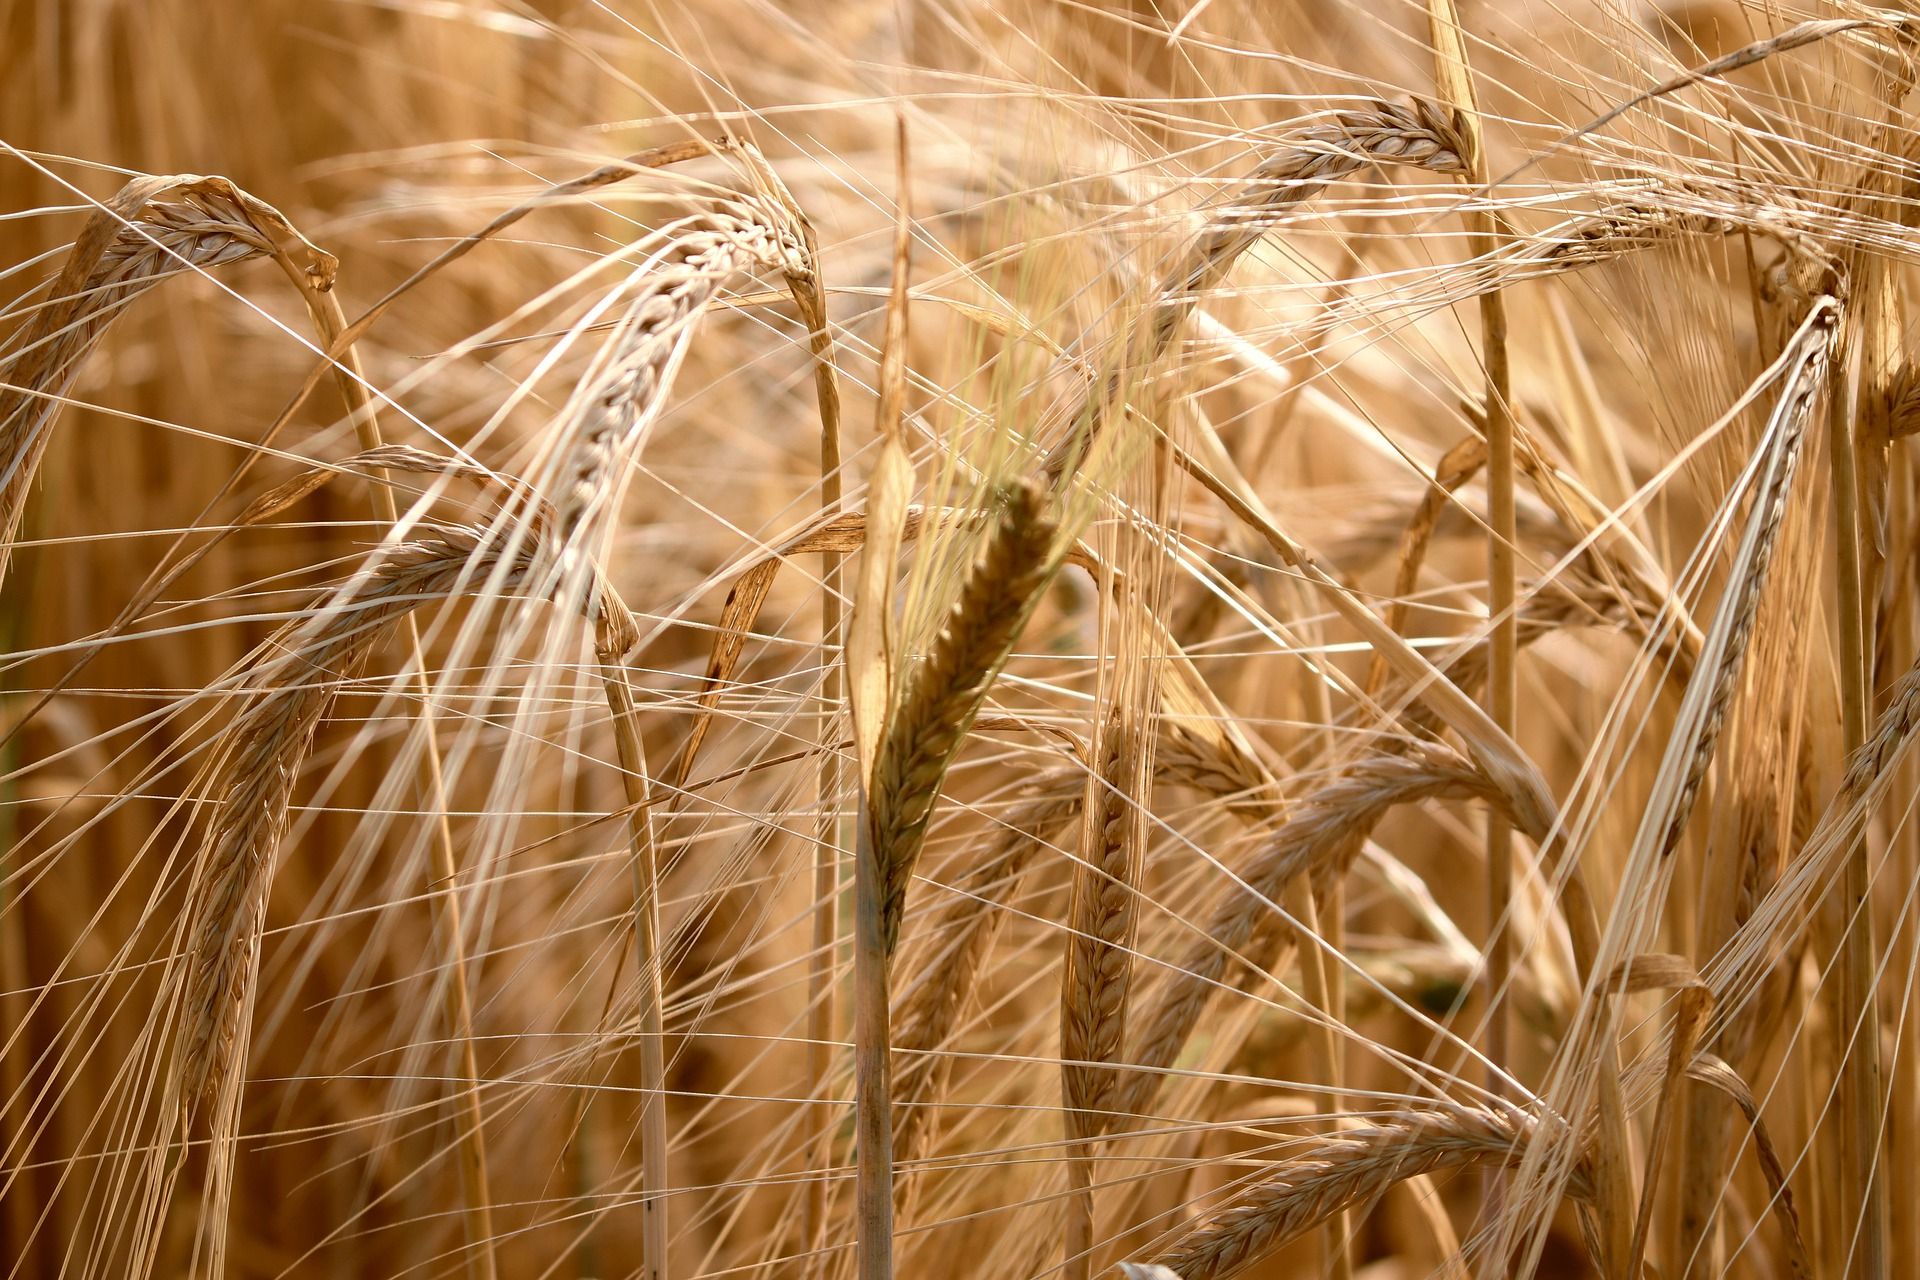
[
  {"x": 1100, "y": 918},
  {"x": 924, "y": 724},
  {"x": 613, "y": 647},
  {"x": 1688, "y": 752},
  {"x": 1728, "y": 647}
]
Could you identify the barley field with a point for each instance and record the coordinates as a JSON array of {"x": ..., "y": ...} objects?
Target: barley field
[{"x": 959, "y": 638}]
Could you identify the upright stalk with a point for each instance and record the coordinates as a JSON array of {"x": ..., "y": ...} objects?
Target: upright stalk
[
  {"x": 874, "y": 715},
  {"x": 1859, "y": 1029},
  {"x": 811, "y": 302},
  {"x": 646, "y": 943},
  {"x": 1487, "y": 230},
  {"x": 1852, "y": 426},
  {"x": 872, "y": 1064},
  {"x": 1326, "y": 989}
]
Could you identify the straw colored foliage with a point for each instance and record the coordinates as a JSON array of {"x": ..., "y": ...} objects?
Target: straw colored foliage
[{"x": 1246, "y": 638}]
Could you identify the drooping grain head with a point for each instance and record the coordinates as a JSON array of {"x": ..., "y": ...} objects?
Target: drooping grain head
[{"x": 152, "y": 229}]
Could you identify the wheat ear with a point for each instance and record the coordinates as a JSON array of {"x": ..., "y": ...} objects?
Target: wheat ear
[
  {"x": 1346, "y": 1170},
  {"x": 153, "y": 228},
  {"x": 1790, "y": 418},
  {"x": 914, "y": 742},
  {"x": 1318, "y": 835},
  {"x": 1676, "y": 787},
  {"x": 618, "y": 401},
  {"x": 943, "y": 692},
  {"x": 266, "y": 746},
  {"x": 1418, "y": 134},
  {"x": 1097, "y": 981}
]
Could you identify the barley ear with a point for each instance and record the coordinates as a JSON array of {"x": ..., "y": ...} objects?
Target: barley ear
[
  {"x": 1347, "y": 1170},
  {"x": 945, "y": 689},
  {"x": 153, "y": 228}
]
